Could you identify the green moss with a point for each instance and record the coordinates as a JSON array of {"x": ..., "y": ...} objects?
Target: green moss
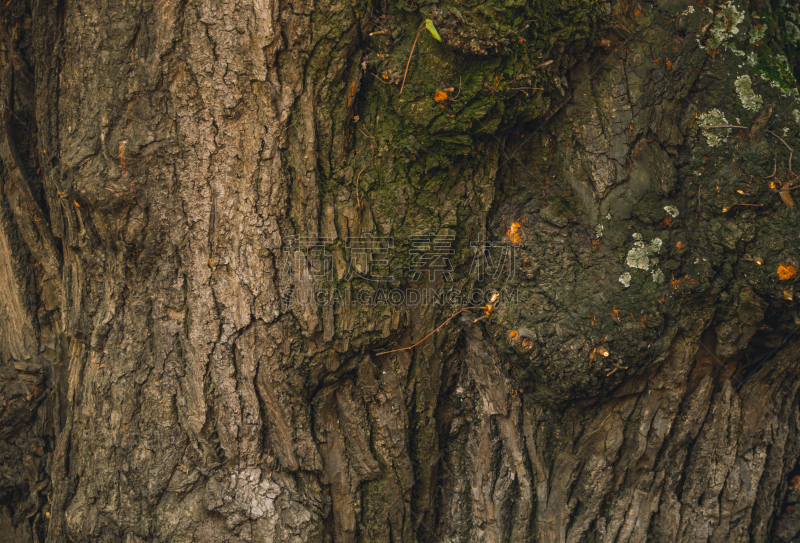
[{"x": 774, "y": 66}]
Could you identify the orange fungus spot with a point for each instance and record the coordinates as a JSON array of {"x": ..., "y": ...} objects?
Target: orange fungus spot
[
  {"x": 513, "y": 232},
  {"x": 786, "y": 271}
]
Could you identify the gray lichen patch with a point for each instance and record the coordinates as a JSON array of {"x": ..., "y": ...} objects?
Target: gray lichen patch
[
  {"x": 641, "y": 255},
  {"x": 726, "y": 25},
  {"x": 714, "y": 137},
  {"x": 757, "y": 34},
  {"x": 744, "y": 89},
  {"x": 672, "y": 211},
  {"x": 625, "y": 279},
  {"x": 792, "y": 32},
  {"x": 658, "y": 276}
]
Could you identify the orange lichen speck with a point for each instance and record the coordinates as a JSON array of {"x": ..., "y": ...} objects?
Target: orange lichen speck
[
  {"x": 513, "y": 232},
  {"x": 786, "y": 271},
  {"x": 439, "y": 96}
]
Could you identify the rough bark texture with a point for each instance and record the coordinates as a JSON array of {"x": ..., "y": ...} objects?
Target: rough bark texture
[{"x": 168, "y": 375}]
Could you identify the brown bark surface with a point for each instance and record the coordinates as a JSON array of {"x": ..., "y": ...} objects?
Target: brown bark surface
[{"x": 172, "y": 370}]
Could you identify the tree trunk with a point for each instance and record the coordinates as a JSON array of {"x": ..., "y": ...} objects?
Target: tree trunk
[{"x": 217, "y": 218}]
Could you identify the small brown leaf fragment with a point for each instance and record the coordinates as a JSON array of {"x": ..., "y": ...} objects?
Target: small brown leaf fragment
[
  {"x": 760, "y": 123},
  {"x": 787, "y": 198}
]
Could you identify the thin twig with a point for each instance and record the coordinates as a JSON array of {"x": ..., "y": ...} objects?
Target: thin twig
[
  {"x": 791, "y": 151},
  {"x": 774, "y": 168},
  {"x": 616, "y": 367},
  {"x": 409, "y": 59},
  {"x": 429, "y": 335},
  {"x": 381, "y": 80},
  {"x": 358, "y": 200},
  {"x": 459, "y": 89},
  {"x": 523, "y": 89},
  {"x": 770, "y": 132}
]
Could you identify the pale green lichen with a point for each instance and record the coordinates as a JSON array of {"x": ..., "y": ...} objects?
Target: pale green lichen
[
  {"x": 599, "y": 230},
  {"x": 734, "y": 16},
  {"x": 757, "y": 34},
  {"x": 658, "y": 276},
  {"x": 796, "y": 115},
  {"x": 625, "y": 279},
  {"x": 726, "y": 24},
  {"x": 641, "y": 255},
  {"x": 672, "y": 210},
  {"x": 792, "y": 32},
  {"x": 744, "y": 89},
  {"x": 752, "y": 58},
  {"x": 714, "y": 117}
]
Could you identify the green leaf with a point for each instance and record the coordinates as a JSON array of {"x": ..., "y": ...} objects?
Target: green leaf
[{"x": 432, "y": 29}]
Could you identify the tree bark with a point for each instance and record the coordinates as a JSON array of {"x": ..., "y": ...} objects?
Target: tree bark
[{"x": 193, "y": 342}]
